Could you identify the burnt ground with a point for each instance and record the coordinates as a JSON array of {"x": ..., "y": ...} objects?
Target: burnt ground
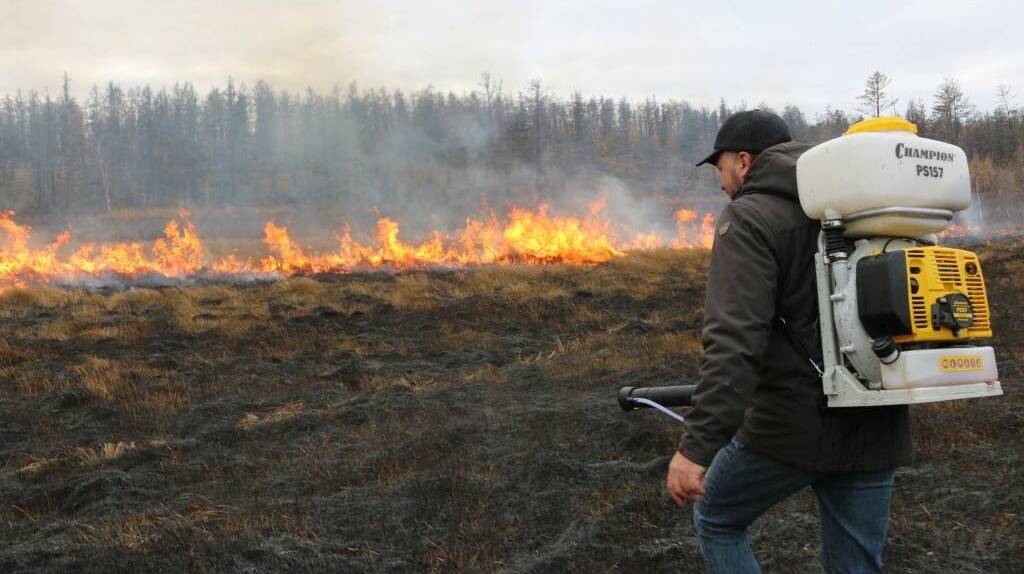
[{"x": 429, "y": 421}]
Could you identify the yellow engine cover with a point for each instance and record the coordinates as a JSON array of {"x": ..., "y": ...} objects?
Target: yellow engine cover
[{"x": 923, "y": 294}]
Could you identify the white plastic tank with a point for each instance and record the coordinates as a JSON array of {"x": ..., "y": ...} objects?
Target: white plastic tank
[
  {"x": 940, "y": 367},
  {"x": 884, "y": 180}
]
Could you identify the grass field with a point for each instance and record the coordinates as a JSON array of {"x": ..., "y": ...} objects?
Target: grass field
[{"x": 442, "y": 420}]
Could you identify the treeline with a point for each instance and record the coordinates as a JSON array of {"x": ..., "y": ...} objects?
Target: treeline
[{"x": 358, "y": 148}]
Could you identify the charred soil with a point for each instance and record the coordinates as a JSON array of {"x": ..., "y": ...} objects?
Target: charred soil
[{"x": 425, "y": 421}]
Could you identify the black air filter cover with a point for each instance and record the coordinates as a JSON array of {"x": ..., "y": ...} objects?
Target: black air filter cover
[{"x": 883, "y": 294}]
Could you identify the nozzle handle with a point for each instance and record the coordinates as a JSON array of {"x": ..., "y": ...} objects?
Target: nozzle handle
[{"x": 674, "y": 396}]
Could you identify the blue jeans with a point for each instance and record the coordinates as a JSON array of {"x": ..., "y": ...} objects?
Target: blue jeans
[{"x": 741, "y": 485}]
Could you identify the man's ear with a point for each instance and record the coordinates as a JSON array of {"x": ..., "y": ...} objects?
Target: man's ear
[{"x": 745, "y": 161}]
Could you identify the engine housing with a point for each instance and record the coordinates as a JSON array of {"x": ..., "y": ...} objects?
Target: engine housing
[{"x": 920, "y": 294}]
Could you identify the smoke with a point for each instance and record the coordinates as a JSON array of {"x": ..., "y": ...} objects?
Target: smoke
[
  {"x": 427, "y": 179},
  {"x": 296, "y": 45},
  {"x": 988, "y": 218}
]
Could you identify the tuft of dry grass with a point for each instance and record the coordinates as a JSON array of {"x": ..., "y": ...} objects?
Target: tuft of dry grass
[
  {"x": 32, "y": 382},
  {"x": 78, "y": 458},
  {"x": 90, "y": 308},
  {"x": 284, "y": 412},
  {"x": 519, "y": 283},
  {"x": 19, "y": 301},
  {"x": 133, "y": 530},
  {"x": 610, "y": 350},
  {"x": 128, "y": 333},
  {"x": 415, "y": 382},
  {"x": 489, "y": 374},
  {"x": 299, "y": 289},
  {"x": 136, "y": 301},
  {"x": 416, "y": 292},
  {"x": 12, "y": 356},
  {"x": 104, "y": 377},
  {"x": 643, "y": 274},
  {"x": 94, "y": 456}
]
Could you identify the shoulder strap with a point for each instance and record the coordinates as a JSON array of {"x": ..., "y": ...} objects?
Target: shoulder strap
[{"x": 797, "y": 344}]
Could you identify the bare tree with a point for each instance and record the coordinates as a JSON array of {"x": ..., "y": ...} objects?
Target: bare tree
[
  {"x": 538, "y": 101},
  {"x": 1006, "y": 118},
  {"x": 875, "y": 98},
  {"x": 950, "y": 108},
  {"x": 1005, "y": 94},
  {"x": 492, "y": 92}
]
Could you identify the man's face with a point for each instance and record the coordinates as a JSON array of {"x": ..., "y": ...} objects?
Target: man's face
[
  {"x": 726, "y": 165},
  {"x": 733, "y": 166}
]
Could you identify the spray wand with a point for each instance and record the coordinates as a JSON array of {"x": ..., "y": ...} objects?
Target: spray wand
[{"x": 657, "y": 398}]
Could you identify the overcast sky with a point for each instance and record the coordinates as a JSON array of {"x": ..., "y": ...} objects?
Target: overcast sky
[{"x": 807, "y": 53}]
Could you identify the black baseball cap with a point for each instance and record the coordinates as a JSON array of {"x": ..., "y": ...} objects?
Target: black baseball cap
[{"x": 752, "y": 131}]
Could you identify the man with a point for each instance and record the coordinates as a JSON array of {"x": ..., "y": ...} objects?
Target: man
[{"x": 760, "y": 430}]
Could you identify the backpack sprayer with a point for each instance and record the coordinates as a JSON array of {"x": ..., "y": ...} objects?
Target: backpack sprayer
[{"x": 898, "y": 313}]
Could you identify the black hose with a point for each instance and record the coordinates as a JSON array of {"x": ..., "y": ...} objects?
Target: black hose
[{"x": 676, "y": 396}]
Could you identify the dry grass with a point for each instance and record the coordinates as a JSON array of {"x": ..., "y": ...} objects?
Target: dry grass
[
  {"x": 202, "y": 427},
  {"x": 87, "y": 457},
  {"x": 416, "y": 292},
  {"x": 940, "y": 427},
  {"x": 104, "y": 377},
  {"x": 519, "y": 283},
  {"x": 686, "y": 342},
  {"x": 593, "y": 335},
  {"x": 489, "y": 374},
  {"x": 252, "y": 317},
  {"x": 642, "y": 274},
  {"x": 298, "y": 290},
  {"x": 130, "y": 530},
  {"x": 452, "y": 337},
  {"x": 33, "y": 382},
  {"x": 128, "y": 333},
  {"x": 11, "y": 356},
  {"x": 20, "y": 301},
  {"x": 81, "y": 457},
  {"x": 282, "y": 413},
  {"x": 616, "y": 351},
  {"x": 135, "y": 301}
]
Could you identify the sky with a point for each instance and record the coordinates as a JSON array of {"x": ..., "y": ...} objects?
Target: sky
[{"x": 814, "y": 55}]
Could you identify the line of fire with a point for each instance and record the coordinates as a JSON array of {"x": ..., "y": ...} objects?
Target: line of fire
[{"x": 524, "y": 236}]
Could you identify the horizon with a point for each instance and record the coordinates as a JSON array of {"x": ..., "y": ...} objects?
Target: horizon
[{"x": 82, "y": 95}]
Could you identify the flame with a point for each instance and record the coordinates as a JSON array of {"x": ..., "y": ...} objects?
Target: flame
[
  {"x": 524, "y": 236},
  {"x": 18, "y": 260},
  {"x": 181, "y": 250},
  {"x": 689, "y": 234},
  {"x": 970, "y": 230}
]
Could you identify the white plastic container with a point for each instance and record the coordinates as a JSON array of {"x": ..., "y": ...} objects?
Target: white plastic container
[
  {"x": 940, "y": 367},
  {"x": 881, "y": 163}
]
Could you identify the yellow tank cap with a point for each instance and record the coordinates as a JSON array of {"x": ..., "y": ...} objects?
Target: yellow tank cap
[{"x": 882, "y": 124}]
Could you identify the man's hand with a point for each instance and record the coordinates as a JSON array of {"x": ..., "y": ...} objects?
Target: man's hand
[{"x": 684, "y": 479}]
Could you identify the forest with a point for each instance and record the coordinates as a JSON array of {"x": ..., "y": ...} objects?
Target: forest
[{"x": 354, "y": 150}]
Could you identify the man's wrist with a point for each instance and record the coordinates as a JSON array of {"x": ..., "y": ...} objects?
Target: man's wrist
[{"x": 692, "y": 455}]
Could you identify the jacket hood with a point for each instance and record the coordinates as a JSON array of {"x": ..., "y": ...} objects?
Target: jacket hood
[{"x": 774, "y": 171}]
